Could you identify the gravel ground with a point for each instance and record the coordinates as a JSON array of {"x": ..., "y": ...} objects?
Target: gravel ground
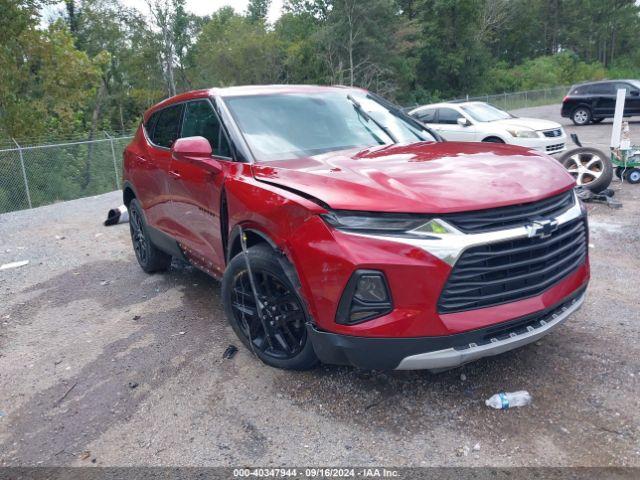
[{"x": 103, "y": 364}]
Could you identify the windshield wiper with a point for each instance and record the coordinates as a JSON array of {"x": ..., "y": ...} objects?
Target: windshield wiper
[
  {"x": 401, "y": 114},
  {"x": 362, "y": 112}
]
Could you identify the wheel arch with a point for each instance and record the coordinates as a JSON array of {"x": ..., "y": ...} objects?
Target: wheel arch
[
  {"x": 493, "y": 135},
  {"x": 582, "y": 105},
  {"x": 128, "y": 193},
  {"x": 257, "y": 237},
  {"x": 254, "y": 237}
]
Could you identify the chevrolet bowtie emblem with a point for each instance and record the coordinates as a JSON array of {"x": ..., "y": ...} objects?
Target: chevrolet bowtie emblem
[{"x": 542, "y": 228}]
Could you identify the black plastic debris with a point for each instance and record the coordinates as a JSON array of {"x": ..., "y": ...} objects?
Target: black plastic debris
[
  {"x": 604, "y": 197},
  {"x": 133, "y": 385},
  {"x": 230, "y": 352}
]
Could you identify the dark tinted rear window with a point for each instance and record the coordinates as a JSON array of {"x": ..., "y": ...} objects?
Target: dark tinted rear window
[
  {"x": 581, "y": 90},
  {"x": 167, "y": 128},
  {"x": 603, "y": 89}
]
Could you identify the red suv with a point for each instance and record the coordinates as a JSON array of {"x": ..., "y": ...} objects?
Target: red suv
[{"x": 345, "y": 231}]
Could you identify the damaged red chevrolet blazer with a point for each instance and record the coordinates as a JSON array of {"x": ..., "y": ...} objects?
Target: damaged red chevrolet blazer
[{"x": 346, "y": 232}]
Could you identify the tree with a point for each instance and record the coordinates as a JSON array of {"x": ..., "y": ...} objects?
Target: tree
[
  {"x": 453, "y": 56},
  {"x": 257, "y": 10},
  {"x": 232, "y": 50},
  {"x": 360, "y": 43},
  {"x": 45, "y": 82},
  {"x": 172, "y": 21}
]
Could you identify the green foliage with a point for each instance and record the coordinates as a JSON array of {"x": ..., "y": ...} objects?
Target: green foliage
[
  {"x": 232, "y": 50},
  {"x": 100, "y": 65},
  {"x": 257, "y": 10},
  {"x": 541, "y": 72}
]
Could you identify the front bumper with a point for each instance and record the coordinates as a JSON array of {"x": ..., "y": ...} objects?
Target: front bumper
[
  {"x": 443, "y": 352},
  {"x": 548, "y": 145}
]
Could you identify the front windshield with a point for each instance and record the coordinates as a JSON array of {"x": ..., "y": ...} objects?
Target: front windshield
[
  {"x": 483, "y": 112},
  {"x": 292, "y": 125}
]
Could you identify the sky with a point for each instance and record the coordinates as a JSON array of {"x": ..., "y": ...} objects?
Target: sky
[{"x": 206, "y": 7}]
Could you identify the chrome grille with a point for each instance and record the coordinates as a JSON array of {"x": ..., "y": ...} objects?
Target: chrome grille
[{"x": 554, "y": 148}]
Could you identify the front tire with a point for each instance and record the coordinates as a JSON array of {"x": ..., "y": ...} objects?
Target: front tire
[
  {"x": 280, "y": 338},
  {"x": 581, "y": 116},
  {"x": 150, "y": 257},
  {"x": 493, "y": 140}
]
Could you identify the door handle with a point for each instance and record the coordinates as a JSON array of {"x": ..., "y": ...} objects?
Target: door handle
[{"x": 174, "y": 174}]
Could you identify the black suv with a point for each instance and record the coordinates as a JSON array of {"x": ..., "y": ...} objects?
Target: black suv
[{"x": 595, "y": 101}]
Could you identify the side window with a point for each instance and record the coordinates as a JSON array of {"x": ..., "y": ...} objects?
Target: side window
[
  {"x": 448, "y": 116},
  {"x": 626, "y": 86},
  {"x": 167, "y": 126},
  {"x": 201, "y": 121},
  {"x": 427, "y": 115},
  {"x": 603, "y": 89},
  {"x": 151, "y": 123}
]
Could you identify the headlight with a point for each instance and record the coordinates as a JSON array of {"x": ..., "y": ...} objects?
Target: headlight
[
  {"x": 381, "y": 222},
  {"x": 522, "y": 132},
  {"x": 387, "y": 223}
]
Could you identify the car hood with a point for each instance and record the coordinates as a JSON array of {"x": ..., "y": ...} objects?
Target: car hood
[
  {"x": 424, "y": 177},
  {"x": 533, "y": 123}
]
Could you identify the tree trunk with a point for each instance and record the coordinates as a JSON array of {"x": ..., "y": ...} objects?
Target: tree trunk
[{"x": 121, "y": 118}]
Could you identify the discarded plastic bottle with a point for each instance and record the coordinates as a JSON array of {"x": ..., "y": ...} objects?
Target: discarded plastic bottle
[{"x": 502, "y": 400}]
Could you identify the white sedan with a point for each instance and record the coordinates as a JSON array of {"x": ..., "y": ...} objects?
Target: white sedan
[{"x": 481, "y": 122}]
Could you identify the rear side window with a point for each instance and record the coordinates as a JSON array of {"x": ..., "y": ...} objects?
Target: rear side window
[
  {"x": 448, "y": 116},
  {"x": 603, "y": 89},
  {"x": 581, "y": 90},
  {"x": 200, "y": 120},
  {"x": 428, "y": 115},
  {"x": 167, "y": 128}
]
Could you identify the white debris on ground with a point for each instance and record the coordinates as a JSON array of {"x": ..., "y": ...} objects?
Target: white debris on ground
[{"x": 8, "y": 266}]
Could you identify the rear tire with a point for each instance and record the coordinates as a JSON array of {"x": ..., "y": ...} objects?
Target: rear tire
[
  {"x": 150, "y": 257},
  {"x": 493, "y": 140},
  {"x": 581, "y": 116},
  {"x": 286, "y": 343},
  {"x": 590, "y": 167}
]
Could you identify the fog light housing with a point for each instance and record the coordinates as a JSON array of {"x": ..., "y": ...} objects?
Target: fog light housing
[{"x": 365, "y": 297}]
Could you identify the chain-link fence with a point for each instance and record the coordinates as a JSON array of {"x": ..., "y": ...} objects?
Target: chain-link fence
[
  {"x": 32, "y": 175},
  {"x": 515, "y": 100}
]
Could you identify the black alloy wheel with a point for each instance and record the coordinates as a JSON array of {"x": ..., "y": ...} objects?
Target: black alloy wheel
[
  {"x": 283, "y": 317},
  {"x": 140, "y": 244},
  {"x": 150, "y": 258},
  {"x": 280, "y": 337}
]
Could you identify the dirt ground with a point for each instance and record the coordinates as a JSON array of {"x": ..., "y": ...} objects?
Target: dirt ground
[{"x": 102, "y": 364}]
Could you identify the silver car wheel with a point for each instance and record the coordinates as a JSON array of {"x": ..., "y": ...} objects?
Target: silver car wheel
[
  {"x": 581, "y": 116},
  {"x": 585, "y": 167}
]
